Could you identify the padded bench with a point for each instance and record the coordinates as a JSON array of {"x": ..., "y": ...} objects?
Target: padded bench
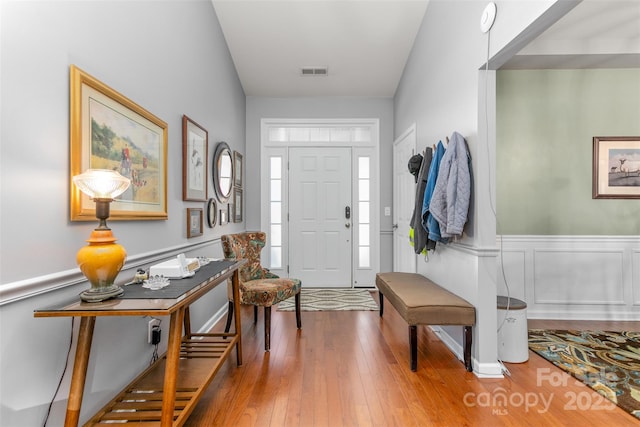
[{"x": 422, "y": 302}]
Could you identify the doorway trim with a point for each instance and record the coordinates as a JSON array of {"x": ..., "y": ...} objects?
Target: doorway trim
[
  {"x": 363, "y": 137},
  {"x": 404, "y": 201}
]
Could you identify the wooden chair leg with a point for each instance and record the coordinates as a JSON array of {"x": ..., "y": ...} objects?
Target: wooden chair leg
[
  {"x": 298, "y": 318},
  {"x": 255, "y": 314},
  {"x": 267, "y": 328},
  {"x": 468, "y": 337},
  {"x": 413, "y": 347},
  {"x": 229, "y": 317},
  {"x": 381, "y": 298}
]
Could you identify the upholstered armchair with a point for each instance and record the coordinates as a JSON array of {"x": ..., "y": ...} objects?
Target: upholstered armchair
[{"x": 258, "y": 286}]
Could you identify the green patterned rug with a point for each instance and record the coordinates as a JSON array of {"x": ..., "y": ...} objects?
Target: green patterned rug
[
  {"x": 608, "y": 362},
  {"x": 312, "y": 299}
]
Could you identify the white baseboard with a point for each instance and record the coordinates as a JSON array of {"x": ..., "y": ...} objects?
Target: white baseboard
[
  {"x": 583, "y": 315},
  {"x": 481, "y": 370},
  {"x": 487, "y": 370},
  {"x": 217, "y": 316}
]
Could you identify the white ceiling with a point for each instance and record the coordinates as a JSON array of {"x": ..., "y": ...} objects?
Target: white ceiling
[
  {"x": 365, "y": 44},
  {"x": 595, "y": 34}
]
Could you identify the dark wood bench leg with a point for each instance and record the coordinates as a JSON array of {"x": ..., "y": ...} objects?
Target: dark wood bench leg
[
  {"x": 468, "y": 336},
  {"x": 413, "y": 347},
  {"x": 381, "y": 297}
]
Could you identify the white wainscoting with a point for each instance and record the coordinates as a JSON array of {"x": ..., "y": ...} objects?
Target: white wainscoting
[{"x": 572, "y": 277}]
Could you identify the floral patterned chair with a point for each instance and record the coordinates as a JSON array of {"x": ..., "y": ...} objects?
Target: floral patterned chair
[{"x": 258, "y": 286}]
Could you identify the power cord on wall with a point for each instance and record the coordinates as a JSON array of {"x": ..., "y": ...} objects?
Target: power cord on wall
[
  {"x": 66, "y": 364},
  {"x": 155, "y": 341},
  {"x": 154, "y": 355},
  {"x": 493, "y": 209},
  {"x": 489, "y": 15}
]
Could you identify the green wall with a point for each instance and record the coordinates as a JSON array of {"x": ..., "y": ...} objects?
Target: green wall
[{"x": 546, "y": 120}]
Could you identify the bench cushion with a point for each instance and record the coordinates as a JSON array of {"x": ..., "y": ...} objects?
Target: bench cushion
[{"x": 422, "y": 302}]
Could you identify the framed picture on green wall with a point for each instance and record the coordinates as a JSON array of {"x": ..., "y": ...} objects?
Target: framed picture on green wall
[{"x": 616, "y": 167}]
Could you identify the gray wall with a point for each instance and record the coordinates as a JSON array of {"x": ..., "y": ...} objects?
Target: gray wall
[
  {"x": 443, "y": 89},
  {"x": 546, "y": 122},
  {"x": 170, "y": 57},
  {"x": 321, "y": 108}
]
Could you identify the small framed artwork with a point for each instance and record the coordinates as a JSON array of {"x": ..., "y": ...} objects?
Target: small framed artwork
[
  {"x": 223, "y": 216},
  {"x": 237, "y": 204},
  {"x": 194, "y": 161},
  {"x": 212, "y": 212},
  {"x": 616, "y": 167},
  {"x": 237, "y": 162},
  {"x": 110, "y": 131},
  {"x": 194, "y": 222}
]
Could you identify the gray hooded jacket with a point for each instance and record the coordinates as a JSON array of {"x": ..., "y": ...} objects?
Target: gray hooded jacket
[{"x": 450, "y": 201}]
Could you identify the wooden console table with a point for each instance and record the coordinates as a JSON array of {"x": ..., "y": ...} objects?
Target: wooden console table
[{"x": 166, "y": 392}]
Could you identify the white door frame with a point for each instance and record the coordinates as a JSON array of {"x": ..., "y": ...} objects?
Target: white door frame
[
  {"x": 362, "y": 135},
  {"x": 404, "y": 256}
]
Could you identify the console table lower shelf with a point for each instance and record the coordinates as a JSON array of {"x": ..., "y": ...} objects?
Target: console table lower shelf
[
  {"x": 166, "y": 392},
  {"x": 140, "y": 403}
]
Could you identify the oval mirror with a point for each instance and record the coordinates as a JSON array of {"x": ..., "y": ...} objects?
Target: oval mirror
[
  {"x": 212, "y": 213},
  {"x": 222, "y": 171}
]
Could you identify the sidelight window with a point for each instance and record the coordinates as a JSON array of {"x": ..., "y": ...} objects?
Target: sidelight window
[{"x": 275, "y": 196}]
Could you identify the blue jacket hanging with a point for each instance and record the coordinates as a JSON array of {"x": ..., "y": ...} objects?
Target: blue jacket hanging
[{"x": 428, "y": 222}]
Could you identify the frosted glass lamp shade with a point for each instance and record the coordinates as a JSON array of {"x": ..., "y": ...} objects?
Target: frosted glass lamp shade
[{"x": 101, "y": 183}]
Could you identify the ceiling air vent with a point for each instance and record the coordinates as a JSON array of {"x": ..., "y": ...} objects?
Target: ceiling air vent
[{"x": 314, "y": 71}]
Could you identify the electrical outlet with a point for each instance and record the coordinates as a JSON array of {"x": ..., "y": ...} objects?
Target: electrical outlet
[{"x": 152, "y": 323}]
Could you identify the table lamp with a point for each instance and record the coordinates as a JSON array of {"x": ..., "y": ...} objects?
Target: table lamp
[{"x": 102, "y": 259}]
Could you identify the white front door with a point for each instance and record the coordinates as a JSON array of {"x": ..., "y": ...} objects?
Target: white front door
[
  {"x": 404, "y": 189},
  {"x": 320, "y": 232}
]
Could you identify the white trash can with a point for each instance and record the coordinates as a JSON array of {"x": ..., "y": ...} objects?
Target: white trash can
[{"x": 513, "y": 334}]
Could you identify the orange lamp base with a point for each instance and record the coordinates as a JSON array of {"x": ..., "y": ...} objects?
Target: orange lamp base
[{"x": 101, "y": 261}]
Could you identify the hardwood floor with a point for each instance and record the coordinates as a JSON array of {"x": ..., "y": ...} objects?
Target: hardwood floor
[{"x": 351, "y": 369}]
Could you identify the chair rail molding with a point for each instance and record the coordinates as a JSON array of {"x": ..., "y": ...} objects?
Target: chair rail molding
[{"x": 22, "y": 289}]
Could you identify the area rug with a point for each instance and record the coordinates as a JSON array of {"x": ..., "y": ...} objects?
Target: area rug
[
  {"x": 331, "y": 300},
  {"x": 608, "y": 362}
]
